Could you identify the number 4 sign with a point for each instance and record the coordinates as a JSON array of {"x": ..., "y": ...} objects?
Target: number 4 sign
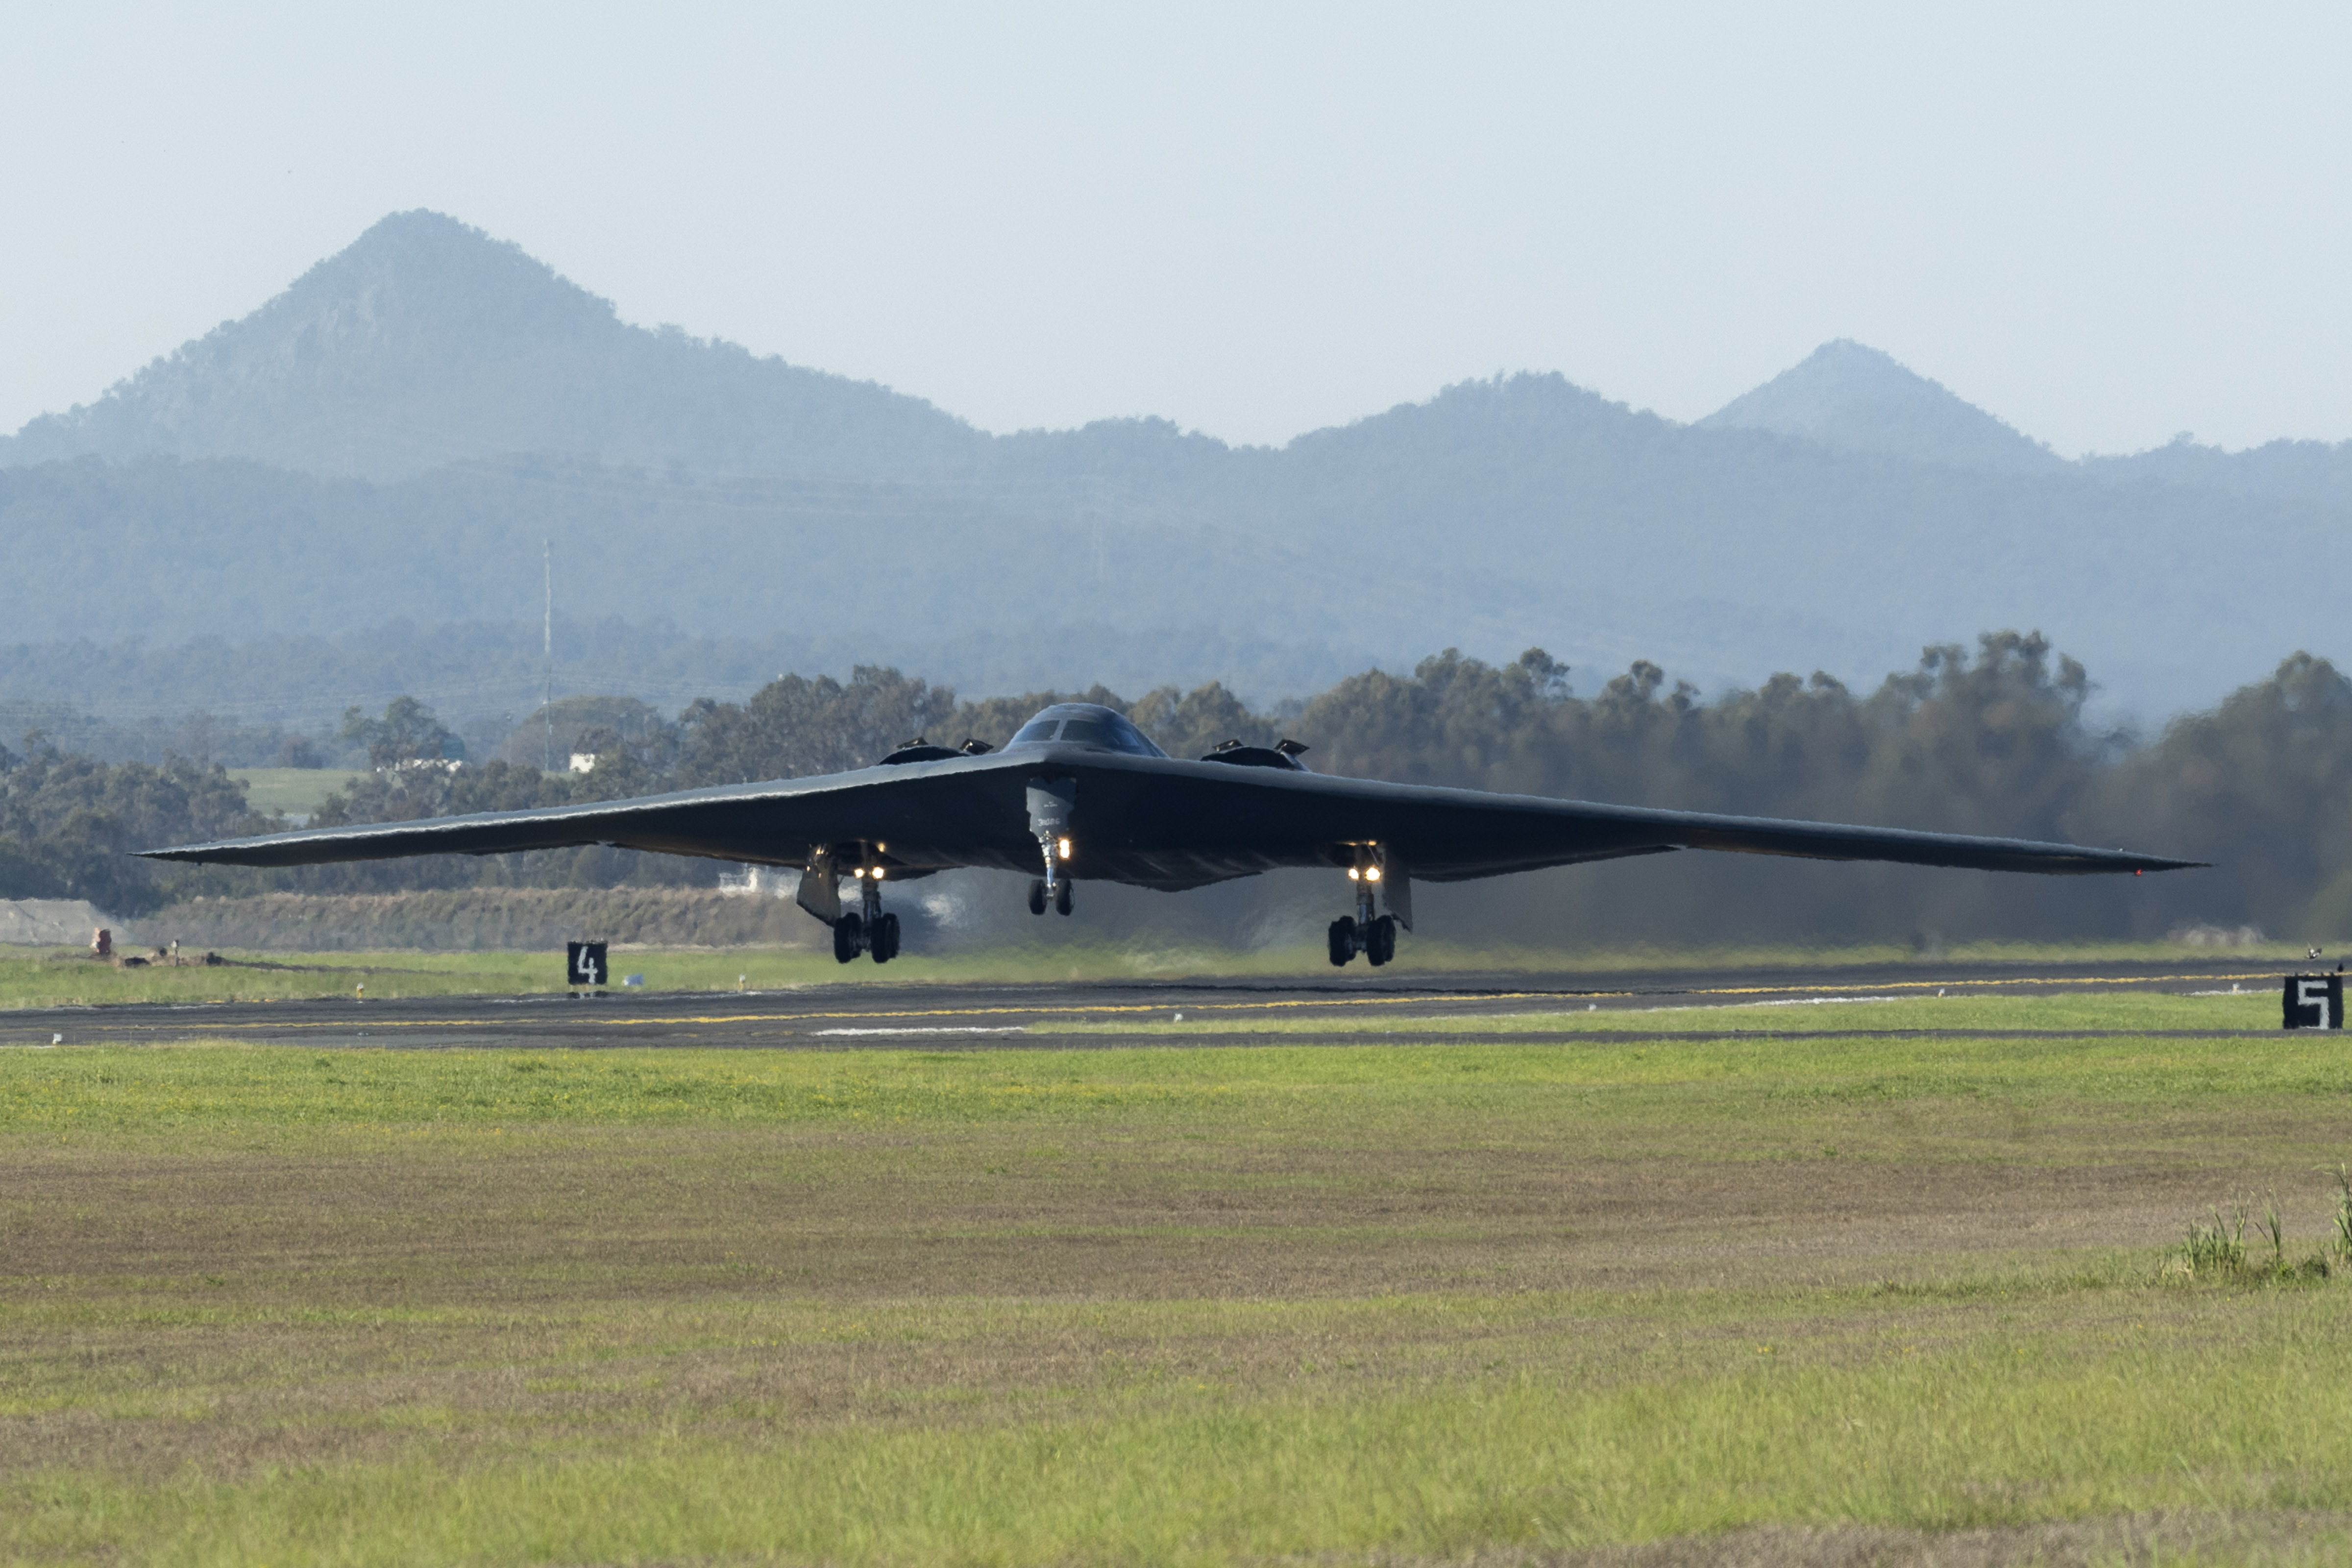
[
  {"x": 584, "y": 964},
  {"x": 2314, "y": 1001}
]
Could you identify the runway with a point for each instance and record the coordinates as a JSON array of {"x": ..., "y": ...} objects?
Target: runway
[{"x": 864, "y": 1013}]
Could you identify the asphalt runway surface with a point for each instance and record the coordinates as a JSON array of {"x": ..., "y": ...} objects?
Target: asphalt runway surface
[{"x": 1349, "y": 1007}]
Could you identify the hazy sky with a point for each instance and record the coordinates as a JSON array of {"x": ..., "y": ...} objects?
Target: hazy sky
[{"x": 2104, "y": 224}]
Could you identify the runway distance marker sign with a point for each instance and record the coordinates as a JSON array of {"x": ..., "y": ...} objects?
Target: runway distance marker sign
[
  {"x": 584, "y": 964},
  {"x": 2314, "y": 1001}
]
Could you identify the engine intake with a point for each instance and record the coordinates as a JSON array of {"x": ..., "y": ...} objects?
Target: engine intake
[{"x": 1284, "y": 753}]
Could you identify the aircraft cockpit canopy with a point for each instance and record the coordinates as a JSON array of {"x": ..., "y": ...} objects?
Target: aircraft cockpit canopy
[{"x": 1085, "y": 724}]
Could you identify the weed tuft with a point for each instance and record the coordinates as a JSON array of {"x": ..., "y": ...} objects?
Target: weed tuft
[
  {"x": 2216, "y": 1251},
  {"x": 2213, "y": 1251},
  {"x": 2271, "y": 1227}
]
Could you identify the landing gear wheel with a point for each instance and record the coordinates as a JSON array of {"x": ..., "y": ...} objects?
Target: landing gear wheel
[
  {"x": 848, "y": 938},
  {"x": 884, "y": 945},
  {"x": 1343, "y": 941},
  {"x": 1062, "y": 897},
  {"x": 1380, "y": 939},
  {"x": 1036, "y": 895}
]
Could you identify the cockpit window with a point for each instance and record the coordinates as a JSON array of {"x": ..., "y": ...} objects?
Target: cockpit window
[
  {"x": 1111, "y": 731},
  {"x": 1088, "y": 726}
]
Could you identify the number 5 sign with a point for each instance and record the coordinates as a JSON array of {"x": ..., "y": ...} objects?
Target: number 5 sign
[{"x": 2314, "y": 1001}]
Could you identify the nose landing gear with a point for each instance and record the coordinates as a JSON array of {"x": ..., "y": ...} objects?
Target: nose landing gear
[{"x": 1051, "y": 804}]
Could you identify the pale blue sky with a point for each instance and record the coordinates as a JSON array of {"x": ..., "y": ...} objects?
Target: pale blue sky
[{"x": 2105, "y": 223}]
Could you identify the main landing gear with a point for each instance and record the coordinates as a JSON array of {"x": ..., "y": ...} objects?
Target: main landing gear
[
  {"x": 1059, "y": 898},
  {"x": 1375, "y": 938},
  {"x": 869, "y": 931}
]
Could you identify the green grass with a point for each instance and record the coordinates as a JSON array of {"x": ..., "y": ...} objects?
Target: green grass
[
  {"x": 70, "y": 978},
  {"x": 1705, "y": 1092},
  {"x": 1412, "y": 1300},
  {"x": 1992, "y": 1432},
  {"x": 297, "y": 790}
]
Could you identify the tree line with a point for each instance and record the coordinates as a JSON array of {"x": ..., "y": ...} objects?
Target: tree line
[{"x": 1989, "y": 740}]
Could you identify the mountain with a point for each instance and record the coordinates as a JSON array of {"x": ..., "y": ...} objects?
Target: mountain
[
  {"x": 426, "y": 343},
  {"x": 1853, "y": 398},
  {"x": 394, "y": 438}
]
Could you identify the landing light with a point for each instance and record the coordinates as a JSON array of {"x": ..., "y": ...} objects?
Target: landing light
[
  {"x": 878, "y": 873},
  {"x": 1064, "y": 848},
  {"x": 1354, "y": 875},
  {"x": 859, "y": 872},
  {"x": 1372, "y": 873}
]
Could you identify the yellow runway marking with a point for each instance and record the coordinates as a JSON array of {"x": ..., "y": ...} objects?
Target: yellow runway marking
[{"x": 1122, "y": 1008}]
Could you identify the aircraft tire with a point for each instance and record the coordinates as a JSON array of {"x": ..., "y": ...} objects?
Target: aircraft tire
[
  {"x": 1036, "y": 895},
  {"x": 1343, "y": 941},
  {"x": 1380, "y": 940},
  {"x": 1062, "y": 896},
  {"x": 848, "y": 938},
  {"x": 886, "y": 939}
]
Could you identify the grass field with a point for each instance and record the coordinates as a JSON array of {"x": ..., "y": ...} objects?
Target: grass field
[
  {"x": 297, "y": 790},
  {"x": 1431, "y": 1300}
]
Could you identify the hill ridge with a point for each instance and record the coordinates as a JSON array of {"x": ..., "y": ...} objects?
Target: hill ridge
[{"x": 1851, "y": 397}]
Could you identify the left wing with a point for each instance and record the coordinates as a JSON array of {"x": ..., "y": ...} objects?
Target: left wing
[{"x": 931, "y": 814}]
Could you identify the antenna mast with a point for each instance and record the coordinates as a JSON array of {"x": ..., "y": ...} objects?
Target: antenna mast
[{"x": 546, "y": 640}]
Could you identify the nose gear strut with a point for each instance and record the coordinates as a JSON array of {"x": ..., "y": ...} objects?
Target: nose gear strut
[{"x": 1051, "y": 803}]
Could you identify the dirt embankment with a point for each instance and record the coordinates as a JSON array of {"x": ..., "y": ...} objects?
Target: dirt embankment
[{"x": 479, "y": 918}]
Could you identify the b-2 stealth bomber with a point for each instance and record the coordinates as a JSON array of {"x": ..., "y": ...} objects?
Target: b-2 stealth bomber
[{"x": 1079, "y": 792}]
